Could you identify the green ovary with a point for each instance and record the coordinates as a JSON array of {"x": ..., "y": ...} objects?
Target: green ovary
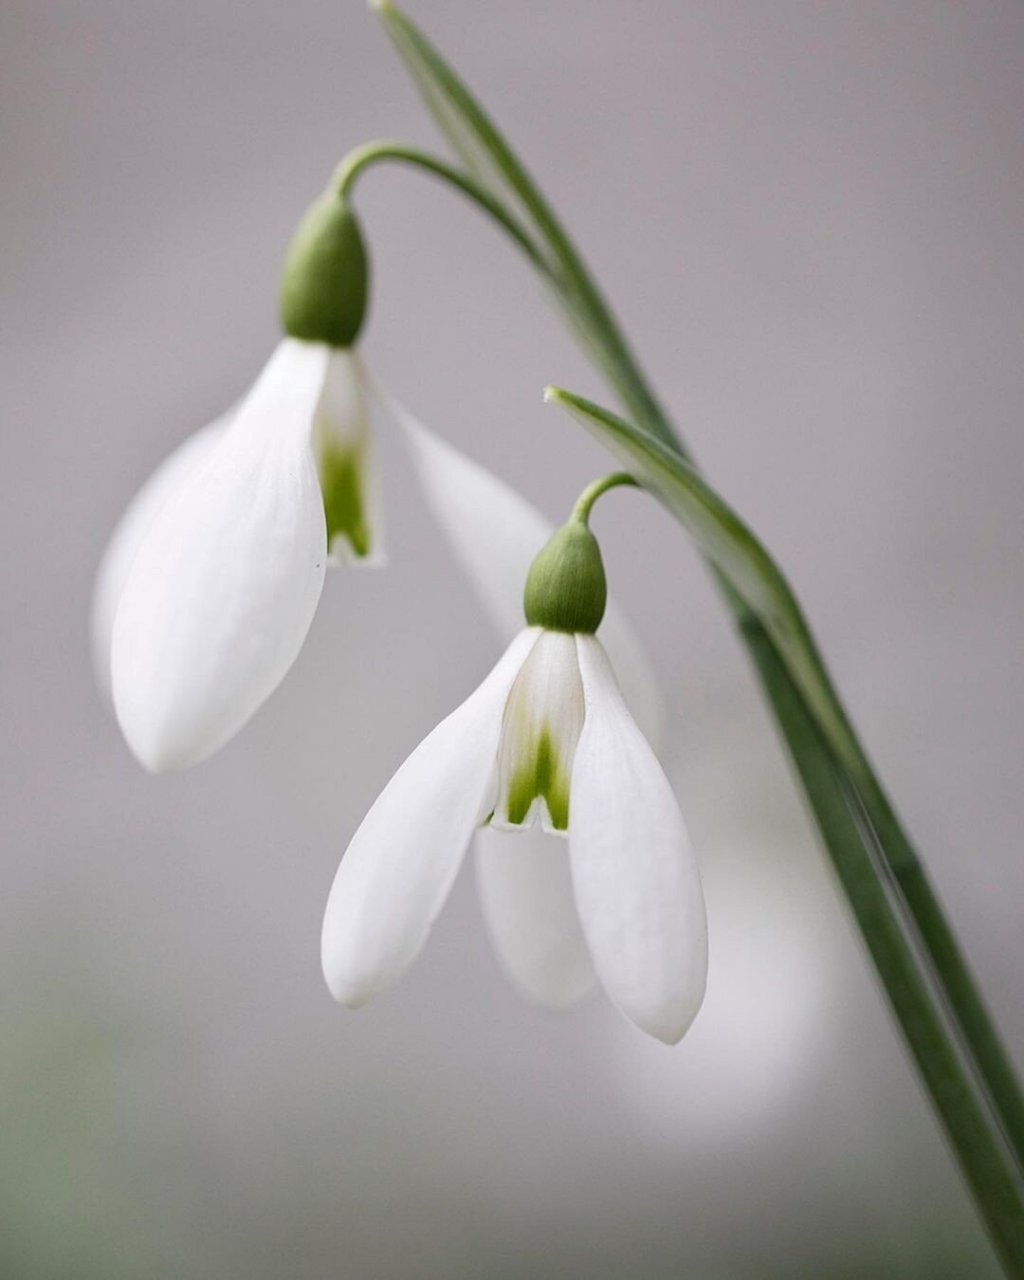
[
  {"x": 539, "y": 777},
  {"x": 341, "y": 479}
]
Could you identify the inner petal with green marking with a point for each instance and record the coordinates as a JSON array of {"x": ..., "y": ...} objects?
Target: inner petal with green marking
[
  {"x": 341, "y": 446},
  {"x": 342, "y": 479},
  {"x": 542, "y": 725}
]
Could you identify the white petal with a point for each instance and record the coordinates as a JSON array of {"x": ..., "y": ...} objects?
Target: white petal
[
  {"x": 402, "y": 862},
  {"x": 526, "y": 893},
  {"x": 637, "y": 884},
  {"x": 225, "y": 584},
  {"x": 634, "y": 672},
  {"x": 127, "y": 537},
  {"x": 495, "y": 534},
  {"x": 493, "y": 531}
]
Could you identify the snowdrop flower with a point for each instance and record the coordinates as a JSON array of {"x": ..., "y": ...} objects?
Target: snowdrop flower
[
  {"x": 211, "y": 580},
  {"x": 547, "y": 737},
  {"x": 524, "y": 880}
]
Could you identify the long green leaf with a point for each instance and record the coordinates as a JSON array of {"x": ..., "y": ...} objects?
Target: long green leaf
[{"x": 988, "y": 1165}]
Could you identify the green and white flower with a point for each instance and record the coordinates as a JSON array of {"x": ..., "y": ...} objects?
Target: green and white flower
[
  {"x": 211, "y": 580},
  {"x": 546, "y": 738},
  {"x": 212, "y": 577}
]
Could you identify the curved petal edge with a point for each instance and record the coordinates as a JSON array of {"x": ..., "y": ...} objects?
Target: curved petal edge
[{"x": 637, "y": 884}]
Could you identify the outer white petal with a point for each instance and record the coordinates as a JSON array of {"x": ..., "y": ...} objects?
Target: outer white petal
[
  {"x": 527, "y": 898},
  {"x": 227, "y": 579},
  {"x": 493, "y": 531},
  {"x": 634, "y": 672},
  {"x": 400, "y": 866},
  {"x": 637, "y": 885},
  {"x": 495, "y": 534},
  {"x": 127, "y": 537}
]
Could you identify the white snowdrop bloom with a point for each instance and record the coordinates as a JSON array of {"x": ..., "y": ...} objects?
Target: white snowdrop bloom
[
  {"x": 219, "y": 564},
  {"x": 524, "y": 880},
  {"x": 210, "y": 581},
  {"x": 547, "y": 737}
]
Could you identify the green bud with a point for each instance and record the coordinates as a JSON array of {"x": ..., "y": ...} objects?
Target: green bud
[
  {"x": 326, "y": 272},
  {"x": 566, "y": 588}
]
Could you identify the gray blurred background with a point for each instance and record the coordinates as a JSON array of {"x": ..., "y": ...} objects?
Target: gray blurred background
[{"x": 809, "y": 216}]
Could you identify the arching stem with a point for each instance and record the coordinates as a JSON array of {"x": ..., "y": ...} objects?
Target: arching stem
[
  {"x": 585, "y": 502},
  {"x": 371, "y": 153}
]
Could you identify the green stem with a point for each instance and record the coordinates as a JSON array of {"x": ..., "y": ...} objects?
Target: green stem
[
  {"x": 591, "y": 315},
  {"x": 987, "y": 1054},
  {"x": 987, "y": 1164},
  {"x": 371, "y": 153},
  {"x": 585, "y": 502},
  {"x": 598, "y": 330}
]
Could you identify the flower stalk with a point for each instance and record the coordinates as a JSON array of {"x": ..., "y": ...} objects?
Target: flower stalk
[
  {"x": 585, "y": 502},
  {"x": 385, "y": 150}
]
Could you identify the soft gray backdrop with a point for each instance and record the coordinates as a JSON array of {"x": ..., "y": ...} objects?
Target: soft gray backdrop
[{"x": 810, "y": 219}]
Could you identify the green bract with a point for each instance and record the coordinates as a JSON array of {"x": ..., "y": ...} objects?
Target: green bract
[
  {"x": 326, "y": 273},
  {"x": 566, "y": 589}
]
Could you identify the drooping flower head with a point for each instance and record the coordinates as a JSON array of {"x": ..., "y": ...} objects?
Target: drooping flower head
[
  {"x": 211, "y": 581},
  {"x": 547, "y": 737}
]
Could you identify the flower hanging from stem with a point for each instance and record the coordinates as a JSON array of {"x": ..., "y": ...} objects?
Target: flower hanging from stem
[{"x": 546, "y": 737}]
